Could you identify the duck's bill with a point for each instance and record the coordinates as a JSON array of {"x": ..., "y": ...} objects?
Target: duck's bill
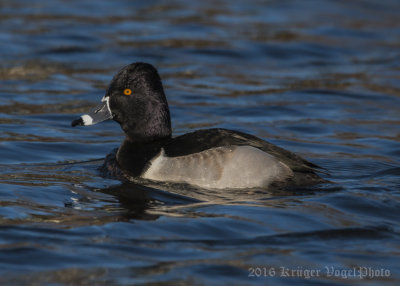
[{"x": 99, "y": 114}]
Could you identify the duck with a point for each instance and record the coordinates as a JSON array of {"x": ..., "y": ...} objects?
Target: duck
[{"x": 213, "y": 158}]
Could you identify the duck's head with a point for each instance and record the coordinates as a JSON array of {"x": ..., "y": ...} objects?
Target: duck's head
[{"x": 135, "y": 99}]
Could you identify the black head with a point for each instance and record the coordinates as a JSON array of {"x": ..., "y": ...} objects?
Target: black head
[{"x": 135, "y": 99}]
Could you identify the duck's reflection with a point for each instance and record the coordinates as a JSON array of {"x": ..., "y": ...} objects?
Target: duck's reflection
[{"x": 142, "y": 202}]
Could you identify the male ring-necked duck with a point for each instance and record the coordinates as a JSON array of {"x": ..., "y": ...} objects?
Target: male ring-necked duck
[{"x": 210, "y": 158}]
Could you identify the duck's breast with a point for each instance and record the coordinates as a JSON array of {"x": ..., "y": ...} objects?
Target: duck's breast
[{"x": 220, "y": 167}]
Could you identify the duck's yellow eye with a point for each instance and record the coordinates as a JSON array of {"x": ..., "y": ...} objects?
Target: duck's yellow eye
[{"x": 127, "y": 91}]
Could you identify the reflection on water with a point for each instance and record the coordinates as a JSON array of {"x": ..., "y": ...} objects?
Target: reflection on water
[{"x": 320, "y": 79}]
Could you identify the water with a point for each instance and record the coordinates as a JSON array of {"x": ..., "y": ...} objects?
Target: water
[{"x": 320, "y": 78}]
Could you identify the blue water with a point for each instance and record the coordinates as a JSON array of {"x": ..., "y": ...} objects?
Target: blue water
[{"x": 320, "y": 78}]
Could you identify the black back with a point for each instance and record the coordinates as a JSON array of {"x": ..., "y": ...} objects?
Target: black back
[{"x": 135, "y": 156}]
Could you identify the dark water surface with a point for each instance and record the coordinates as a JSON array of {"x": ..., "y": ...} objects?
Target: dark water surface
[{"x": 320, "y": 78}]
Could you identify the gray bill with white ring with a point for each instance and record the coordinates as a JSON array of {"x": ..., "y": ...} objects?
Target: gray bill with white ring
[{"x": 98, "y": 114}]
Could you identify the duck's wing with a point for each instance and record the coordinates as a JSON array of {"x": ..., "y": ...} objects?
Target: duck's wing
[
  {"x": 210, "y": 138},
  {"x": 294, "y": 161}
]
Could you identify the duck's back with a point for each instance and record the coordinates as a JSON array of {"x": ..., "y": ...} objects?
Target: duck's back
[
  {"x": 220, "y": 158},
  {"x": 201, "y": 140}
]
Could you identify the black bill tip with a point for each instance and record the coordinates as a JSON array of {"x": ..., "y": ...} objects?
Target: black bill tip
[{"x": 76, "y": 122}]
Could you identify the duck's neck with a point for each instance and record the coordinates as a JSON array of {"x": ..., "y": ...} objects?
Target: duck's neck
[{"x": 134, "y": 156}]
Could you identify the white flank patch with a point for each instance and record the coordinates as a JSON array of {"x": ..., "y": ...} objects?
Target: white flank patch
[
  {"x": 87, "y": 119},
  {"x": 220, "y": 168}
]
